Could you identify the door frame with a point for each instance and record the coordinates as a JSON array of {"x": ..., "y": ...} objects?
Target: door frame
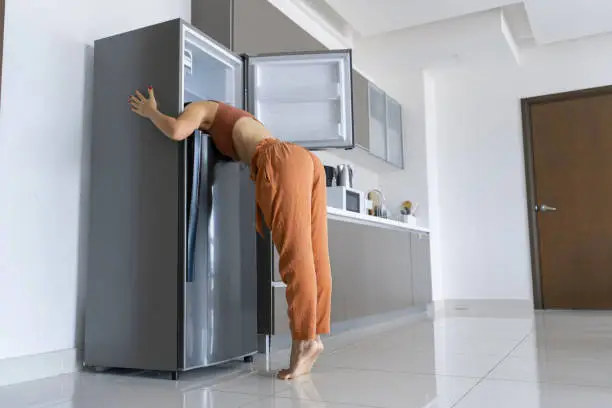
[
  {"x": 2, "y": 17},
  {"x": 534, "y": 234}
]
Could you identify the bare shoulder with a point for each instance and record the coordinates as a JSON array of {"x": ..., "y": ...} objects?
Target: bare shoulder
[
  {"x": 205, "y": 110},
  {"x": 203, "y": 106}
]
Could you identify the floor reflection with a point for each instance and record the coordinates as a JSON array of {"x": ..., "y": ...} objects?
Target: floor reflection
[{"x": 553, "y": 360}]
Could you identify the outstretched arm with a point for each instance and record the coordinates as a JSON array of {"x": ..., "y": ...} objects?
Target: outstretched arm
[{"x": 195, "y": 115}]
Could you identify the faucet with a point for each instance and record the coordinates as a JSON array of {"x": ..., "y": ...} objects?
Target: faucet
[{"x": 381, "y": 198}]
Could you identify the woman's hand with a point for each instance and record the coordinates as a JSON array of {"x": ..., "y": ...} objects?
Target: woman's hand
[{"x": 142, "y": 106}]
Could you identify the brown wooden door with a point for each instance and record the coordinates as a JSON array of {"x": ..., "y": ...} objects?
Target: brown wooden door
[
  {"x": 571, "y": 140},
  {"x": 1, "y": 40}
]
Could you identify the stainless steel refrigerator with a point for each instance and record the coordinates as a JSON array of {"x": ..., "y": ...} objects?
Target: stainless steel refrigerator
[{"x": 173, "y": 257}]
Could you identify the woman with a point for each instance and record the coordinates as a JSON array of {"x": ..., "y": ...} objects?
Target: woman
[{"x": 290, "y": 194}]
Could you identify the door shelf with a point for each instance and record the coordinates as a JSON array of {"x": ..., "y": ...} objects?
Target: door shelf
[{"x": 271, "y": 99}]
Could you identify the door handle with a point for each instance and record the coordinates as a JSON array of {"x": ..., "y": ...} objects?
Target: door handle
[
  {"x": 193, "y": 207},
  {"x": 545, "y": 208}
]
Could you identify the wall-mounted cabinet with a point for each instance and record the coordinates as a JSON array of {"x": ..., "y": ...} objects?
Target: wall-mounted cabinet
[
  {"x": 395, "y": 133},
  {"x": 386, "y": 127},
  {"x": 259, "y": 27},
  {"x": 378, "y": 122},
  {"x": 251, "y": 27},
  {"x": 377, "y": 111}
]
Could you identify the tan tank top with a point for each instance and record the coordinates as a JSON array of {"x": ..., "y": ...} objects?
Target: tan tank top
[{"x": 222, "y": 127}]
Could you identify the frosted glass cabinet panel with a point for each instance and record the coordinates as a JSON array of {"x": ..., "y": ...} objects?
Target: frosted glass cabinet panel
[
  {"x": 395, "y": 147},
  {"x": 210, "y": 71},
  {"x": 304, "y": 98},
  {"x": 378, "y": 122}
]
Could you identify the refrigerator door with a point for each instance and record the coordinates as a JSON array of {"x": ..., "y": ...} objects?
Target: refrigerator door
[
  {"x": 210, "y": 71},
  {"x": 304, "y": 98},
  {"x": 220, "y": 299}
]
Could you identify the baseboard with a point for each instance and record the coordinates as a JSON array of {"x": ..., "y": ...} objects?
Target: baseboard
[
  {"x": 34, "y": 367},
  {"x": 497, "y": 308},
  {"x": 362, "y": 325}
]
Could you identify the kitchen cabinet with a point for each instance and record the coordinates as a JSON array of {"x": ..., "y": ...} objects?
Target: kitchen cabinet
[
  {"x": 421, "y": 268},
  {"x": 350, "y": 271},
  {"x": 378, "y": 125},
  {"x": 386, "y": 127},
  {"x": 259, "y": 28},
  {"x": 281, "y": 321},
  {"x": 371, "y": 270},
  {"x": 361, "y": 110},
  {"x": 377, "y": 102},
  {"x": 395, "y": 133},
  {"x": 251, "y": 27}
]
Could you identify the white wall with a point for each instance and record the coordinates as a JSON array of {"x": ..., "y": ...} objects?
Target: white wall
[
  {"x": 481, "y": 205},
  {"x": 433, "y": 193},
  {"x": 44, "y": 132},
  {"x": 363, "y": 178}
]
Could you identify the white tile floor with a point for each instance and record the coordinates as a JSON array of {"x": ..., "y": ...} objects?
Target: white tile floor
[{"x": 554, "y": 360}]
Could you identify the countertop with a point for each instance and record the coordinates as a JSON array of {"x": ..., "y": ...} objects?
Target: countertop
[{"x": 349, "y": 216}]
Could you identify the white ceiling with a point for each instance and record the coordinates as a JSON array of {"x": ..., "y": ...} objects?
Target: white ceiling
[
  {"x": 391, "y": 37},
  {"x": 561, "y": 20},
  {"x": 373, "y": 17},
  {"x": 473, "y": 38},
  {"x": 546, "y": 21}
]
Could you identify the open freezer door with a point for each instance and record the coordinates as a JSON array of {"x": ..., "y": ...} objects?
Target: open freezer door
[{"x": 304, "y": 98}]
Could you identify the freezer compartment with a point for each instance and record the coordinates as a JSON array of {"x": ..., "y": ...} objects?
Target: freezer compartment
[{"x": 210, "y": 72}]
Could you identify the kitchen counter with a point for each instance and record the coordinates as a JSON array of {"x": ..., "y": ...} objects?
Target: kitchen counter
[
  {"x": 364, "y": 219},
  {"x": 379, "y": 266}
]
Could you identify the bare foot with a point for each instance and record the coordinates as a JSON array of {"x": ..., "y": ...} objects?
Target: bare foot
[{"x": 303, "y": 356}]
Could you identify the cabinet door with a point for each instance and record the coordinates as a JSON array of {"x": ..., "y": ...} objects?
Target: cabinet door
[
  {"x": 395, "y": 145},
  {"x": 378, "y": 121},
  {"x": 361, "y": 110},
  {"x": 304, "y": 98},
  {"x": 421, "y": 269},
  {"x": 281, "y": 319}
]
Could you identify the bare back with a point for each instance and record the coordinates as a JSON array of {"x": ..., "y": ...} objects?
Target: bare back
[{"x": 246, "y": 135}]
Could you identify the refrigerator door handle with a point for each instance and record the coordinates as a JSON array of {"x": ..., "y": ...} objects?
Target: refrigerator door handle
[{"x": 193, "y": 208}]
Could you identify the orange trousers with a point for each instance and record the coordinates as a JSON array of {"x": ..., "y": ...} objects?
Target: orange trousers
[{"x": 290, "y": 192}]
